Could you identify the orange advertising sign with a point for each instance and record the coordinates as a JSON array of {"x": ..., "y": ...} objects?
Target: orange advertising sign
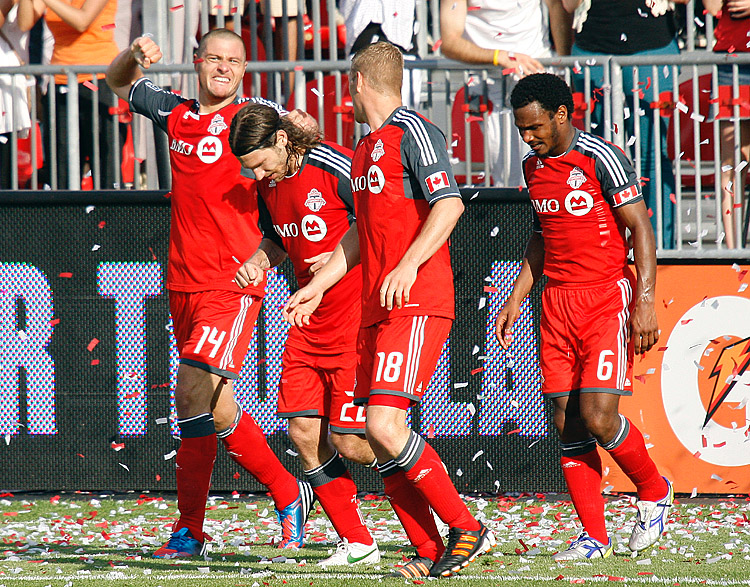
[{"x": 691, "y": 392}]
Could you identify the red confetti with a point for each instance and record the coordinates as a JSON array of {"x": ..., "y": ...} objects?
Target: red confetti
[
  {"x": 80, "y": 455},
  {"x": 108, "y": 27},
  {"x": 197, "y": 60},
  {"x": 56, "y": 321},
  {"x": 509, "y": 70},
  {"x": 95, "y": 361},
  {"x": 92, "y": 344},
  {"x": 431, "y": 431},
  {"x": 673, "y": 198},
  {"x": 516, "y": 431},
  {"x": 54, "y": 500},
  {"x": 90, "y": 86},
  {"x": 477, "y": 370},
  {"x": 102, "y": 224},
  {"x": 176, "y": 8},
  {"x": 650, "y": 212},
  {"x": 437, "y": 44},
  {"x": 66, "y": 275},
  {"x": 153, "y": 255},
  {"x": 236, "y": 475},
  {"x": 117, "y": 445},
  {"x": 158, "y": 477},
  {"x": 648, "y": 83},
  {"x": 489, "y": 289},
  {"x": 683, "y": 322},
  {"x": 474, "y": 119}
]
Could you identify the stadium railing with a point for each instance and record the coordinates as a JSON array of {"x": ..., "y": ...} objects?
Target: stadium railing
[{"x": 694, "y": 109}]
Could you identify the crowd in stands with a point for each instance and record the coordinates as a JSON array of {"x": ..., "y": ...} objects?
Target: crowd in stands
[{"x": 501, "y": 36}]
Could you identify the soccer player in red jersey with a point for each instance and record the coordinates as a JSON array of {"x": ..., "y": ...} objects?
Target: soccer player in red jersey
[
  {"x": 306, "y": 208},
  {"x": 214, "y": 222},
  {"x": 585, "y": 194},
  {"x": 407, "y": 204}
]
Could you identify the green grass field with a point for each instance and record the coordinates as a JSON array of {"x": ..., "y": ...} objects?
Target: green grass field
[{"x": 85, "y": 539}]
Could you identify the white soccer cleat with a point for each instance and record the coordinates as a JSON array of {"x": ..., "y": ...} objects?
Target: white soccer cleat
[
  {"x": 584, "y": 547},
  {"x": 651, "y": 519},
  {"x": 352, "y": 553}
]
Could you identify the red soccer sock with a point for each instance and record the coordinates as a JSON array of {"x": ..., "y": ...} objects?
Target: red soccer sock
[
  {"x": 632, "y": 457},
  {"x": 413, "y": 512},
  {"x": 339, "y": 500},
  {"x": 424, "y": 468},
  {"x": 583, "y": 475},
  {"x": 247, "y": 446},
  {"x": 195, "y": 464}
]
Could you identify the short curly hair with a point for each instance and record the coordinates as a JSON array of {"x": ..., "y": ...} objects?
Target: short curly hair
[{"x": 548, "y": 89}]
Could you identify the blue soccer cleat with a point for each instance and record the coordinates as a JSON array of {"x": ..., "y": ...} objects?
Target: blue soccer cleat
[
  {"x": 294, "y": 517},
  {"x": 180, "y": 545}
]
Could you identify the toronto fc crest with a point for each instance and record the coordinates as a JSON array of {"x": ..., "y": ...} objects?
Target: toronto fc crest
[
  {"x": 576, "y": 178},
  {"x": 378, "y": 151},
  {"x": 217, "y": 125},
  {"x": 314, "y": 200}
]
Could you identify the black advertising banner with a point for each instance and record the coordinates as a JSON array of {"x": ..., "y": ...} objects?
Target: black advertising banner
[{"x": 88, "y": 360}]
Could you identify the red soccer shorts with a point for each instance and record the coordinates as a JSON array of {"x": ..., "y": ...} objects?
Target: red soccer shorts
[
  {"x": 396, "y": 359},
  {"x": 213, "y": 329},
  {"x": 584, "y": 334},
  {"x": 321, "y": 385}
]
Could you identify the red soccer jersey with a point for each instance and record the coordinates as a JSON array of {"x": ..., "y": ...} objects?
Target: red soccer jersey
[
  {"x": 307, "y": 215},
  {"x": 214, "y": 217},
  {"x": 398, "y": 172},
  {"x": 574, "y": 197}
]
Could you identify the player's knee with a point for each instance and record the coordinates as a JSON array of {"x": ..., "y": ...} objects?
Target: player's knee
[
  {"x": 353, "y": 447},
  {"x": 600, "y": 424},
  {"x": 304, "y": 436}
]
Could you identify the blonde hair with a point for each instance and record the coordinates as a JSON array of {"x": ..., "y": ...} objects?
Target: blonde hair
[{"x": 382, "y": 65}]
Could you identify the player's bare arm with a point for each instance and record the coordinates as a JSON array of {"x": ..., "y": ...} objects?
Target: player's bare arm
[
  {"x": 268, "y": 255},
  {"x": 438, "y": 227},
  {"x": 531, "y": 272},
  {"x": 124, "y": 69},
  {"x": 305, "y": 300},
  {"x": 644, "y": 330}
]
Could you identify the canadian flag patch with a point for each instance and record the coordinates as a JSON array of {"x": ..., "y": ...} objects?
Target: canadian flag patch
[
  {"x": 437, "y": 181},
  {"x": 626, "y": 195}
]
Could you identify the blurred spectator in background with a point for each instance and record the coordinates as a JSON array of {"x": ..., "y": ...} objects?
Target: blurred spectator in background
[
  {"x": 731, "y": 35},
  {"x": 83, "y": 33},
  {"x": 507, "y": 34},
  {"x": 632, "y": 27},
  {"x": 14, "y": 107},
  {"x": 284, "y": 41},
  {"x": 370, "y": 21}
]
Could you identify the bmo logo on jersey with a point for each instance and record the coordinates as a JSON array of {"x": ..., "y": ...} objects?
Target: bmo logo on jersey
[
  {"x": 374, "y": 181},
  {"x": 209, "y": 149},
  {"x": 314, "y": 228},
  {"x": 579, "y": 203}
]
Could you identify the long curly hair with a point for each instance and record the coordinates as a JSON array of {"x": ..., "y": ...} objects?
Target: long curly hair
[{"x": 255, "y": 126}]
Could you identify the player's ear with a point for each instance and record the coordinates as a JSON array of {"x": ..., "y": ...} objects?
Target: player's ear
[
  {"x": 281, "y": 138},
  {"x": 562, "y": 113}
]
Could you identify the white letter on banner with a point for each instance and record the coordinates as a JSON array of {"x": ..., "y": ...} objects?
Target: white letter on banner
[
  {"x": 129, "y": 284},
  {"x": 26, "y": 349},
  {"x": 262, "y": 406},
  {"x": 512, "y": 383},
  {"x": 446, "y": 417}
]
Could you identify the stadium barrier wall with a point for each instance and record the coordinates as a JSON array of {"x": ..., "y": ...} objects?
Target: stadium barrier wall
[{"x": 89, "y": 364}]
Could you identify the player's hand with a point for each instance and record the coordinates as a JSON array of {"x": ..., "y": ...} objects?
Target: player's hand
[
  {"x": 738, "y": 8},
  {"x": 644, "y": 329},
  {"x": 303, "y": 120},
  {"x": 396, "y": 286},
  {"x": 318, "y": 261},
  {"x": 301, "y": 305},
  {"x": 504, "y": 323},
  {"x": 249, "y": 274},
  {"x": 145, "y": 51},
  {"x": 522, "y": 63}
]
